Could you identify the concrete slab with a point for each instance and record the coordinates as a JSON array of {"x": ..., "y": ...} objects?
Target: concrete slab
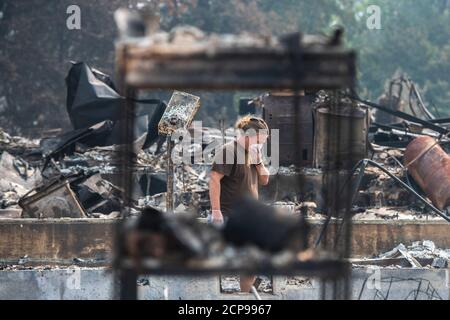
[
  {"x": 370, "y": 238},
  {"x": 97, "y": 283},
  {"x": 59, "y": 241},
  {"x": 56, "y": 239}
]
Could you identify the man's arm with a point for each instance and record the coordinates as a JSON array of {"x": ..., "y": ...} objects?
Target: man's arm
[{"x": 214, "y": 196}]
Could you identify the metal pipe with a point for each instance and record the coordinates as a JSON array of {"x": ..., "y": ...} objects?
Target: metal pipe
[
  {"x": 255, "y": 293},
  {"x": 403, "y": 115}
]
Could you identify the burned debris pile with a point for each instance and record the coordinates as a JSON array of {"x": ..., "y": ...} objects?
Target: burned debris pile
[
  {"x": 85, "y": 181},
  {"x": 81, "y": 168},
  {"x": 420, "y": 254}
]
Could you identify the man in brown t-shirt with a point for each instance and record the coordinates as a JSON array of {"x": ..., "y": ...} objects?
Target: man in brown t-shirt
[
  {"x": 237, "y": 171},
  {"x": 236, "y": 179}
]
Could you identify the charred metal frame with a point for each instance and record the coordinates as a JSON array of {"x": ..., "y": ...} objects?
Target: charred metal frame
[{"x": 326, "y": 66}]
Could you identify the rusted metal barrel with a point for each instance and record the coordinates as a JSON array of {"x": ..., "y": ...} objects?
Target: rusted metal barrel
[{"x": 430, "y": 167}]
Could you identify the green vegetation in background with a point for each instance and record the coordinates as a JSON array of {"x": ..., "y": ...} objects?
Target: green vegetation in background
[{"x": 414, "y": 35}]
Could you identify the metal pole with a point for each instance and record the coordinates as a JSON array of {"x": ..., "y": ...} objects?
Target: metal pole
[
  {"x": 170, "y": 175},
  {"x": 222, "y": 129}
]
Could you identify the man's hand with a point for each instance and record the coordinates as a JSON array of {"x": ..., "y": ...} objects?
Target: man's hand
[
  {"x": 217, "y": 217},
  {"x": 256, "y": 153},
  {"x": 214, "y": 195}
]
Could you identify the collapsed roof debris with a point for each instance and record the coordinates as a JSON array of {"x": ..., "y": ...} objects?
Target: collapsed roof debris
[{"x": 54, "y": 200}]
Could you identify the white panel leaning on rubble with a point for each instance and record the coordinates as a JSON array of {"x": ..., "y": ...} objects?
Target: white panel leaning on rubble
[{"x": 179, "y": 113}]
